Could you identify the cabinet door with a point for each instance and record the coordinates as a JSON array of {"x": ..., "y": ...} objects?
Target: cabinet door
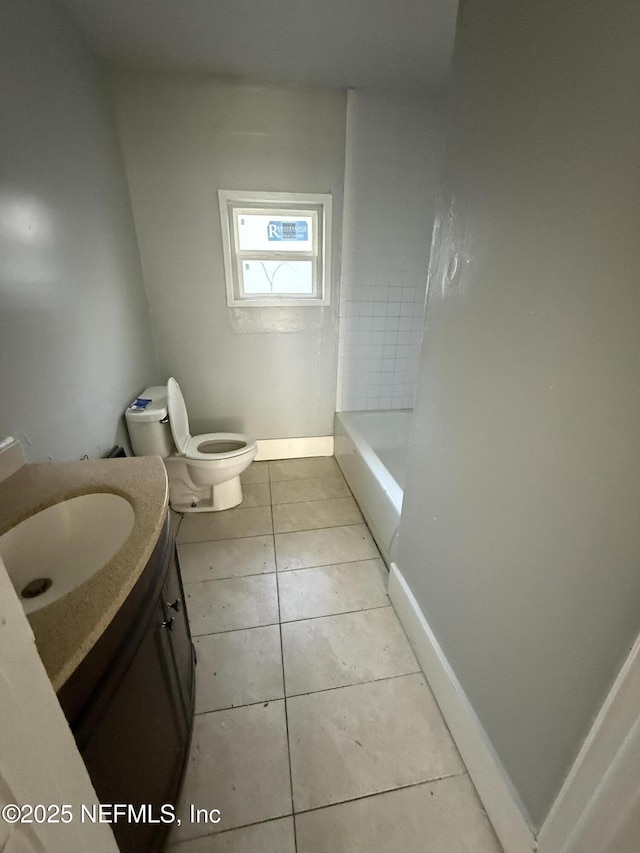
[
  {"x": 179, "y": 635},
  {"x": 137, "y": 752}
]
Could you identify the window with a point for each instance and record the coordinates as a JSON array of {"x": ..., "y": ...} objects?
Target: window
[{"x": 276, "y": 248}]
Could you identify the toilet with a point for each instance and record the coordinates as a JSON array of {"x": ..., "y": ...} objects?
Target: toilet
[{"x": 203, "y": 470}]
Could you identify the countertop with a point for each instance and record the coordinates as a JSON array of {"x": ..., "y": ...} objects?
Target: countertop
[{"x": 66, "y": 630}]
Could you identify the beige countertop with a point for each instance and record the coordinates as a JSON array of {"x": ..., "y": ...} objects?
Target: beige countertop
[{"x": 66, "y": 630}]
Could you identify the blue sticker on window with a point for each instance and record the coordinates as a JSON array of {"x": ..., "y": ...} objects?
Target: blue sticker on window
[{"x": 277, "y": 230}]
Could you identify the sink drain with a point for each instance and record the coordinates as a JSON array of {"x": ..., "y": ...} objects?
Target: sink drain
[{"x": 36, "y": 587}]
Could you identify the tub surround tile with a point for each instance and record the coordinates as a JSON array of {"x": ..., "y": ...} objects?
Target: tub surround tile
[
  {"x": 309, "y": 548},
  {"x": 256, "y": 494},
  {"x": 276, "y": 836},
  {"x": 257, "y": 472},
  {"x": 230, "y": 524},
  {"x": 226, "y": 558},
  {"x": 238, "y": 668},
  {"x": 315, "y": 489},
  {"x": 237, "y": 764},
  {"x": 303, "y": 469},
  {"x": 325, "y": 591},
  {"x": 433, "y": 817},
  {"x": 360, "y": 740},
  {"x": 345, "y": 649},
  {"x": 231, "y": 604},
  {"x": 313, "y": 515}
]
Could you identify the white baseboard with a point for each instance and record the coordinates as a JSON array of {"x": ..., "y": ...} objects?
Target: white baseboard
[
  {"x": 593, "y": 802},
  {"x": 294, "y": 448},
  {"x": 500, "y": 800}
]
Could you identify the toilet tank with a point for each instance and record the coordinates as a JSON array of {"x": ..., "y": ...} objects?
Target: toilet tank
[{"x": 148, "y": 428}]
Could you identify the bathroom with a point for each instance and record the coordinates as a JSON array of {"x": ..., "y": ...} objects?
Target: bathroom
[{"x": 523, "y": 458}]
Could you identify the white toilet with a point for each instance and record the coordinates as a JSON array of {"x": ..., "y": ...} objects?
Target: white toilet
[{"x": 203, "y": 470}]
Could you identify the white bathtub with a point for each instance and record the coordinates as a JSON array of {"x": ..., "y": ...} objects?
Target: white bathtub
[{"x": 371, "y": 449}]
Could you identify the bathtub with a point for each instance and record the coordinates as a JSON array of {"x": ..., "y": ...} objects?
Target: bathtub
[{"x": 371, "y": 450}]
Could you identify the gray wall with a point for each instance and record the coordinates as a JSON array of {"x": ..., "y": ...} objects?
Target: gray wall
[
  {"x": 520, "y": 534},
  {"x": 393, "y": 158},
  {"x": 270, "y": 372},
  {"x": 74, "y": 323}
]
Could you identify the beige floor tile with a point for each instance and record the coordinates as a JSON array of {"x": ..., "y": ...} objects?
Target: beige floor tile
[
  {"x": 312, "y": 515},
  {"x": 229, "y": 524},
  {"x": 345, "y": 649},
  {"x": 257, "y": 472},
  {"x": 435, "y": 817},
  {"x": 232, "y": 603},
  {"x": 309, "y": 548},
  {"x": 365, "y": 739},
  {"x": 226, "y": 558},
  {"x": 303, "y": 469},
  {"x": 238, "y": 668},
  {"x": 316, "y": 489},
  {"x": 276, "y": 836},
  {"x": 305, "y": 593},
  {"x": 256, "y": 494},
  {"x": 237, "y": 764}
]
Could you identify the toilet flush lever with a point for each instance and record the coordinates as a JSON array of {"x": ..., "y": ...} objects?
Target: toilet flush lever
[
  {"x": 165, "y": 419},
  {"x": 177, "y": 604}
]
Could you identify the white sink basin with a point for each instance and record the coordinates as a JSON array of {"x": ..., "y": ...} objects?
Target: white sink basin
[{"x": 65, "y": 544}]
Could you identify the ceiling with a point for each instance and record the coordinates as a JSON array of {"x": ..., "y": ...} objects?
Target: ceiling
[{"x": 389, "y": 44}]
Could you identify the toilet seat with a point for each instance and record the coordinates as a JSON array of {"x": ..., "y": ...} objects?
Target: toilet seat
[
  {"x": 223, "y": 439},
  {"x": 193, "y": 446}
]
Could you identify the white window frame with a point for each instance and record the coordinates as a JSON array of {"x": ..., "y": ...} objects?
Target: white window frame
[{"x": 316, "y": 205}]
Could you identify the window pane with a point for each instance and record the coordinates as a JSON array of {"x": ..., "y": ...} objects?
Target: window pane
[
  {"x": 277, "y": 277},
  {"x": 273, "y": 232}
]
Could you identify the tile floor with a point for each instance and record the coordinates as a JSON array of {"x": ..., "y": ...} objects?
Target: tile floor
[{"x": 315, "y": 729}]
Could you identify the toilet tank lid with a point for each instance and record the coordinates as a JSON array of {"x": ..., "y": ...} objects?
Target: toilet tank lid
[{"x": 155, "y": 411}]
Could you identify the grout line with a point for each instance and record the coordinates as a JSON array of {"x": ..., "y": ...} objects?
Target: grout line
[
  {"x": 262, "y": 702},
  {"x": 281, "y": 571},
  {"x": 276, "y": 569},
  {"x": 324, "y": 565},
  {"x": 221, "y": 832},
  {"x": 228, "y": 538},
  {"x": 384, "y": 791},
  {"x": 348, "y": 497},
  {"x": 229, "y": 577},
  {"x": 355, "y": 684},
  {"x": 362, "y": 523},
  {"x": 340, "y": 613},
  {"x": 324, "y": 526},
  {"x": 293, "y": 815},
  {"x": 233, "y": 630},
  {"x": 306, "y": 693},
  {"x": 292, "y": 621},
  {"x": 284, "y": 682}
]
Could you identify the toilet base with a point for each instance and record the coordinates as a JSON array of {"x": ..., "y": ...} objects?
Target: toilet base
[
  {"x": 227, "y": 495},
  {"x": 185, "y": 496}
]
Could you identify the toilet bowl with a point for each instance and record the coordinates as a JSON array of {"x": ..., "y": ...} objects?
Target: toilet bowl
[{"x": 203, "y": 470}]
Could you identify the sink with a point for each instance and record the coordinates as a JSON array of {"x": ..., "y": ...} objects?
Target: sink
[{"x": 52, "y": 552}]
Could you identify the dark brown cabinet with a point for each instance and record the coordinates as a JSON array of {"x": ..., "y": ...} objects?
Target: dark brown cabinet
[{"x": 130, "y": 703}]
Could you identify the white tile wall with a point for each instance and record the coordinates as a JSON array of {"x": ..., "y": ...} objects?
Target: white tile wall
[
  {"x": 393, "y": 153},
  {"x": 381, "y": 321}
]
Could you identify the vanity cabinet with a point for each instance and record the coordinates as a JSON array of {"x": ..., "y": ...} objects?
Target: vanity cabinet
[{"x": 130, "y": 702}]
